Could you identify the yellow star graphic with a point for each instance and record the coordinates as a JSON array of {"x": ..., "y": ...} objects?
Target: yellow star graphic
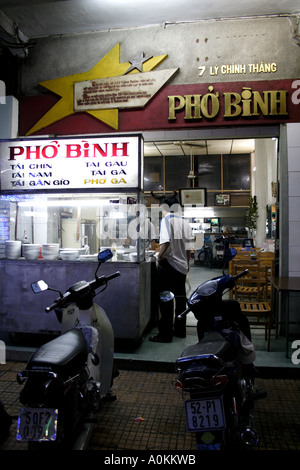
[{"x": 108, "y": 66}]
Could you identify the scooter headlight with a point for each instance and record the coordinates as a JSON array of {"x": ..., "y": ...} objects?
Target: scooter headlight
[{"x": 203, "y": 292}]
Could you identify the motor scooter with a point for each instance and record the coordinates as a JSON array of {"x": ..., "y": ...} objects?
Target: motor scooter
[
  {"x": 218, "y": 372},
  {"x": 205, "y": 255},
  {"x": 214, "y": 254},
  {"x": 5, "y": 423},
  {"x": 66, "y": 379}
]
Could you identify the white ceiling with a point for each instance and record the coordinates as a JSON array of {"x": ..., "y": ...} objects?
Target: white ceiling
[{"x": 37, "y": 18}]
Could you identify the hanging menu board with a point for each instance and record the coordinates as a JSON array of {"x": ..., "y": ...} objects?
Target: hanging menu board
[{"x": 81, "y": 163}]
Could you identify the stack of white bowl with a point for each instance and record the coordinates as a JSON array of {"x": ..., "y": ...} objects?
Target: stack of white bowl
[
  {"x": 68, "y": 254},
  {"x": 31, "y": 251},
  {"x": 133, "y": 256},
  {"x": 50, "y": 251},
  {"x": 13, "y": 249}
]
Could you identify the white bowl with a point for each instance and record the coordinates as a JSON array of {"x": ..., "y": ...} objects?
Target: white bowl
[
  {"x": 133, "y": 257},
  {"x": 31, "y": 256},
  {"x": 69, "y": 255},
  {"x": 50, "y": 251},
  {"x": 50, "y": 257},
  {"x": 31, "y": 246},
  {"x": 51, "y": 246},
  {"x": 31, "y": 251},
  {"x": 13, "y": 249}
]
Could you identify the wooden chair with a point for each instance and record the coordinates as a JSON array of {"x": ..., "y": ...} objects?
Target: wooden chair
[
  {"x": 265, "y": 255},
  {"x": 252, "y": 286},
  {"x": 244, "y": 255},
  {"x": 259, "y": 310},
  {"x": 241, "y": 249},
  {"x": 269, "y": 263},
  {"x": 237, "y": 265}
]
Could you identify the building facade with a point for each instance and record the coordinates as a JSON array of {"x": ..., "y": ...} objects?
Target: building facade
[{"x": 206, "y": 80}]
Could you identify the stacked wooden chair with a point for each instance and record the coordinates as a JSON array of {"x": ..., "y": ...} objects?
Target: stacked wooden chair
[
  {"x": 252, "y": 292},
  {"x": 266, "y": 258}
]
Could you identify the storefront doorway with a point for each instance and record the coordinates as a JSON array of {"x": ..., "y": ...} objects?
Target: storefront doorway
[
  {"x": 229, "y": 171},
  {"x": 232, "y": 166}
]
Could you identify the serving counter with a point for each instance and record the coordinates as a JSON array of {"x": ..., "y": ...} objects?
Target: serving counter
[{"x": 126, "y": 300}]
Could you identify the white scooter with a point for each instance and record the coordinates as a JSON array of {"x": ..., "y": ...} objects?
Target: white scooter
[{"x": 66, "y": 378}]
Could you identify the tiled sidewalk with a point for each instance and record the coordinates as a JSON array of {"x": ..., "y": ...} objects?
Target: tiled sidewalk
[{"x": 149, "y": 413}]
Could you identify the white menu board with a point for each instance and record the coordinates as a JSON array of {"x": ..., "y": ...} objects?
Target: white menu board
[{"x": 80, "y": 163}]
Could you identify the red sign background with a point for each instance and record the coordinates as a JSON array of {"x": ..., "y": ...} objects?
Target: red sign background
[{"x": 155, "y": 115}]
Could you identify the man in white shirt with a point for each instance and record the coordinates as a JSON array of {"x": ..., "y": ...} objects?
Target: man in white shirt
[{"x": 173, "y": 265}]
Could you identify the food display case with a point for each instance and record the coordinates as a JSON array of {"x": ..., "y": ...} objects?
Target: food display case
[
  {"x": 56, "y": 215},
  {"x": 73, "y": 226}
]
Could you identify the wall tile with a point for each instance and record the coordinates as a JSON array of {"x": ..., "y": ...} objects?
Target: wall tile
[
  {"x": 294, "y": 212},
  {"x": 293, "y": 135},
  {"x": 294, "y": 184},
  {"x": 294, "y": 159},
  {"x": 294, "y": 259}
]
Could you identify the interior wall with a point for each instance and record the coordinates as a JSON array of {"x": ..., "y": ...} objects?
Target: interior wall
[
  {"x": 264, "y": 172},
  {"x": 289, "y": 213}
]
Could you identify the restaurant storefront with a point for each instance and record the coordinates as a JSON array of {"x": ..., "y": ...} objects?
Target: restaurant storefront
[
  {"x": 55, "y": 226},
  {"x": 206, "y": 90}
]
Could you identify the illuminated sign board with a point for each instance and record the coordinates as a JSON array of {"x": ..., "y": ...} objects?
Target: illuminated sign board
[{"x": 81, "y": 163}]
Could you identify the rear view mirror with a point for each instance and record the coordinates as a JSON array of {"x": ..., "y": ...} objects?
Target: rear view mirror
[
  {"x": 230, "y": 254},
  {"x": 39, "y": 286},
  {"x": 166, "y": 296},
  {"x": 105, "y": 255}
]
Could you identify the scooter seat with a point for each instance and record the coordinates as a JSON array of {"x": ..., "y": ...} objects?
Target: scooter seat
[
  {"x": 63, "y": 355},
  {"x": 213, "y": 344}
]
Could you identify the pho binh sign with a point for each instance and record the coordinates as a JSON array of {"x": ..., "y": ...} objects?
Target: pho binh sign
[
  {"x": 247, "y": 103},
  {"x": 81, "y": 163},
  {"x": 224, "y": 103},
  {"x": 196, "y": 106}
]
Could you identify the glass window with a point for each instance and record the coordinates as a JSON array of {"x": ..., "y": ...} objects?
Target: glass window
[
  {"x": 236, "y": 172},
  {"x": 177, "y": 170},
  {"x": 73, "y": 226},
  {"x": 209, "y": 171},
  {"x": 153, "y": 174}
]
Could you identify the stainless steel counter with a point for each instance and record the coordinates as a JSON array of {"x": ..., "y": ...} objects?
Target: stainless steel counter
[{"x": 126, "y": 300}]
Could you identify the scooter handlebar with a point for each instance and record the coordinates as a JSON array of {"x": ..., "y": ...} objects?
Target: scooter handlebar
[
  {"x": 112, "y": 276},
  {"x": 103, "y": 280},
  {"x": 241, "y": 274},
  {"x": 51, "y": 307},
  {"x": 68, "y": 296},
  {"x": 60, "y": 302},
  {"x": 185, "y": 312}
]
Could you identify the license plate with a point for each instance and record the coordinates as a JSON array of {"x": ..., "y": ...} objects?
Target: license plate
[
  {"x": 37, "y": 424},
  {"x": 204, "y": 414}
]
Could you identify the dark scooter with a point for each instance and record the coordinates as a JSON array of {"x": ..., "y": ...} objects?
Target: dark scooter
[
  {"x": 218, "y": 372},
  {"x": 5, "y": 423},
  {"x": 205, "y": 255},
  {"x": 66, "y": 379},
  {"x": 214, "y": 254}
]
